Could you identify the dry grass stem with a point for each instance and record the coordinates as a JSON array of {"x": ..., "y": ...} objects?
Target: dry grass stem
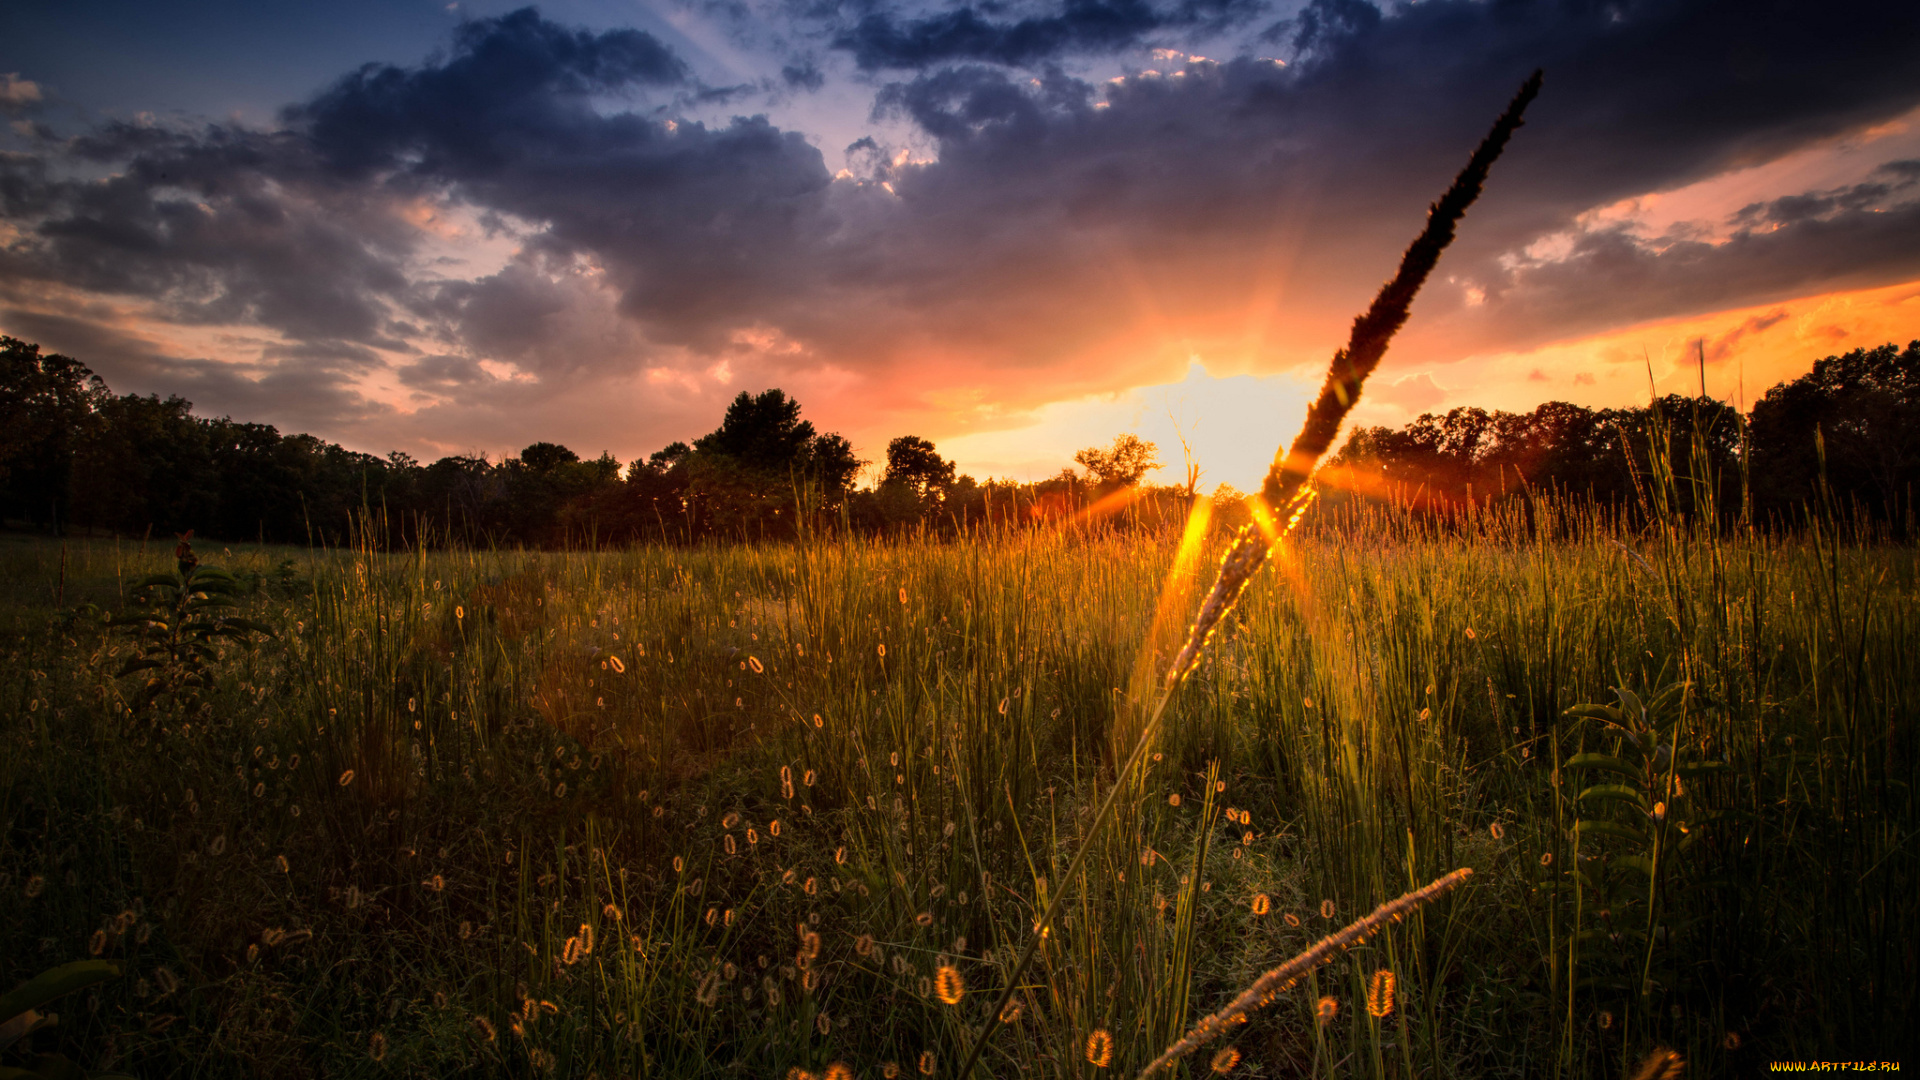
[{"x": 1271, "y": 985}]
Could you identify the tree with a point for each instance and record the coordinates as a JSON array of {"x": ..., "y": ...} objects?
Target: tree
[
  {"x": 1863, "y": 409},
  {"x": 763, "y": 468},
  {"x": 914, "y": 462},
  {"x": 1123, "y": 464},
  {"x": 545, "y": 457},
  {"x": 48, "y": 405}
]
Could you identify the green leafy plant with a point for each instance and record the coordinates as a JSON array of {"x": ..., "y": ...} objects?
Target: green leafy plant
[
  {"x": 178, "y": 620},
  {"x": 1631, "y": 834},
  {"x": 20, "y": 1017}
]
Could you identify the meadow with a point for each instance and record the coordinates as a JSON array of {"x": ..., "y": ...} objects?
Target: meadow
[{"x": 745, "y": 810}]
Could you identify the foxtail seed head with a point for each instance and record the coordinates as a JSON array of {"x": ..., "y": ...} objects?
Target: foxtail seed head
[{"x": 1271, "y": 985}]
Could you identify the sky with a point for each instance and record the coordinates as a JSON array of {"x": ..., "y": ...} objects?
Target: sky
[{"x": 1014, "y": 227}]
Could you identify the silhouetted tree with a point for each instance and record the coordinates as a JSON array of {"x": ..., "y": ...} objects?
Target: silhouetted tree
[
  {"x": 1864, "y": 408},
  {"x": 48, "y": 406},
  {"x": 1123, "y": 464}
]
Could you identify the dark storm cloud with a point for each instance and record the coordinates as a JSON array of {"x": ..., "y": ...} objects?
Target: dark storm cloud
[
  {"x": 1612, "y": 277},
  {"x": 880, "y": 41},
  {"x": 512, "y": 86}
]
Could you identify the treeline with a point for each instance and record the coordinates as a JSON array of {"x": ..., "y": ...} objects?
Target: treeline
[
  {"x": 1844, "y": 436},
  {"x": 75, "y": 457}
]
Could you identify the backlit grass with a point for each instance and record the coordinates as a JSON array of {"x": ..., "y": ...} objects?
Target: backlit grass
[{"x": 739, "y": 811}]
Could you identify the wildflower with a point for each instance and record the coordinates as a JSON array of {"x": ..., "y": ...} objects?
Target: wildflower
[
  {"x": 948, "y": 984},
  {"x": 1262, "y": 903},
  {"x": 1380, "y": 994},
  {"x": 1225, "y": 1060},
  {"x": 1100, "y": 1048},
  {"x": 1326, "y": 1010}
]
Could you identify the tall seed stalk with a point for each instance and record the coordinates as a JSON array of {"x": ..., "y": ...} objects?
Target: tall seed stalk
[{"x": 1285, "y": 490}]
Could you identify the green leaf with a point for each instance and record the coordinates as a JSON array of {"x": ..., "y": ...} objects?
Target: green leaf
[
  {"x": 1595, "y": 712},
  {"x": 1601, "y": 792},
  {"x": 1609, "y": 828},
  {"x": 55, "y": 983},
  {"x": 1632, "y": 708},
  {"x": 1636, "y": 862},
  {"x": 1602, "y": 761},
  {"x": 171, "y": 581}
]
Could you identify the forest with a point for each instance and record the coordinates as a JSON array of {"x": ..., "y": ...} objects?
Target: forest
[{"x": 76, "y": 458}]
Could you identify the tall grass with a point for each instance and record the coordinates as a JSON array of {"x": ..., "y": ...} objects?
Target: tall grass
[{"x": 1370, "y": 713}]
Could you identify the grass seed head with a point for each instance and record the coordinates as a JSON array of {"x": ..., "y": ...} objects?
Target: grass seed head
[
  {"x": 1380, "y": 994},
  {"x": 949, "y": 985},
  {"x": 1224, "y": 1061},
  {"x": 1100, "y": 1048},
  {"x": 1262, "y": 903},
  {"x": 1326, "y": 1010}
]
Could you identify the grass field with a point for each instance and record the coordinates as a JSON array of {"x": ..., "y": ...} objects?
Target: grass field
[{"x": 736, "y": 811}]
